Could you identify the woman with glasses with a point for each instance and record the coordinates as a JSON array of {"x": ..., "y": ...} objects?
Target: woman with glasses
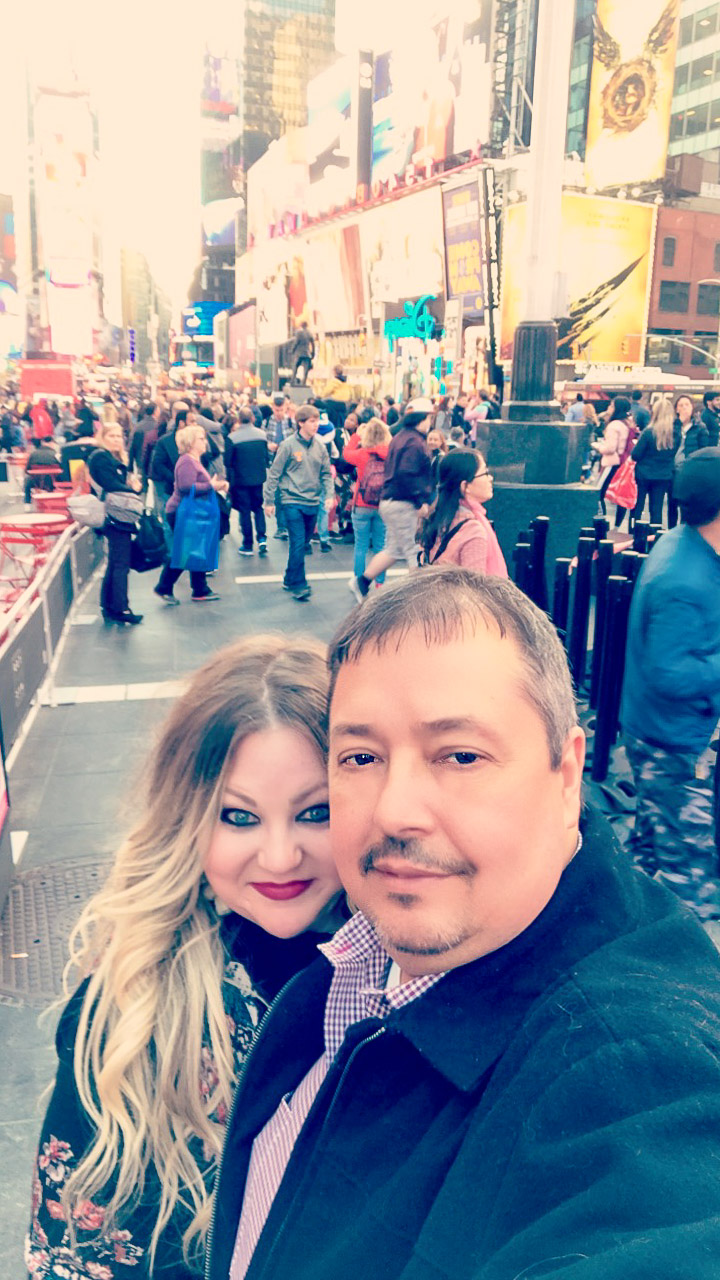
[{"x": 457, "y": 531}]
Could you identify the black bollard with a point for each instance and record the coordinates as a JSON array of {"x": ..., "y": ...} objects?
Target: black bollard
[
  {"x": 619, "y": 591},
  {"x": 577, "y": 645},
  {"x": 604, "y": 565},
  {"x": 602, "y": 528},
  {"x": 522, "y": 556},
  {"x": 587, "y": 532},
  {"x": 561, "y": 596},
  {"x": 539, "y": 528},
  {"x": 641, "y": 533},
  {"x": 630, "y": 562}
]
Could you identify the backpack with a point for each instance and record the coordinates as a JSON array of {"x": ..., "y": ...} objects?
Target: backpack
[
  {"x": 148, "y": 545},
  {"x": 425, "y": 559},
  {"x": 370, "y": 487}
]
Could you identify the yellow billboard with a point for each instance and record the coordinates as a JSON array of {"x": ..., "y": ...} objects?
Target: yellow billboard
[
  {"x": 606, "y": 259},
  {"x": 630, "y": 91}
]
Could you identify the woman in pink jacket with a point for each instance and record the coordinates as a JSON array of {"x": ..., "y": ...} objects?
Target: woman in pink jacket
[{"x": 457, "y": 531}]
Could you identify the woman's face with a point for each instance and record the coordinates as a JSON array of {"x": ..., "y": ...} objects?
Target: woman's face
[
  {"x": 269, "y": 855},
  {"x": 434, "y": 440},
  {"x": 684, "y": 408},
  {"x": 113, "y": 438},
  {"x": 199, "y": 445},
  {"x": 480, "y": 488}
]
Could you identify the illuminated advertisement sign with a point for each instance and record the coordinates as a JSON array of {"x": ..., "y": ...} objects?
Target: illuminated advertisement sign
[
  {"x": 431, "y": 97},
  {"x": 403, "y": 249},
  {"x": 11, "y": 322},
  {"x": 338, "y": 133},
  {"x": 197, "y": 319},
  {"x": 607, "y": 247},
  {"x": 463, "y": 257},
  {"x": 417, "y": 322},
  {"x": 277, "y": 185},
  {"x": 631, "y": 91},
  {"x": 242, "y": 352}
]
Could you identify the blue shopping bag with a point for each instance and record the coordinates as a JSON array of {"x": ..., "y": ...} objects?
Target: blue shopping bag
[{"x": 196, "y": 536}]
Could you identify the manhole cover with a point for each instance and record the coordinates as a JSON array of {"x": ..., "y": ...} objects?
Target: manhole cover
[{"x": 41, "y": 909}]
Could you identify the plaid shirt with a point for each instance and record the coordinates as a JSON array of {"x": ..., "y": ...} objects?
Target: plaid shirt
[{"x": 359, "y": 989}]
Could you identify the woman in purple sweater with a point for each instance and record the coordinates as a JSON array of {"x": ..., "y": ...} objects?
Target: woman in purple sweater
[{"x": 189, "y": 471}]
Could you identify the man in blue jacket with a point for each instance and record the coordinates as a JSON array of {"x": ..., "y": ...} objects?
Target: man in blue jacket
[
  {"x": 507, "y": 1063},
  {"x": 671, "y": 695}
]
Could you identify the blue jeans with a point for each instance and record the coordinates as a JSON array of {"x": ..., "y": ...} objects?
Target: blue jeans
[
  {"x": 323, "y": 527},
  {"x": 369, "y": 534},
  {"x": 300, "y": 522}
]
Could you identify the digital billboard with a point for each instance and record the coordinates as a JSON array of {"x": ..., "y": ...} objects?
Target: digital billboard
[
  {"x": 607, "y": 253},
  {"x": 277, "y": 185},
  {"x": 631, "y": 91},
  {"x": 403, "y": 249},
  {"x": 197, "y": 319},
  {"x": 337, "y": 137},
  {"x": 431, "y": 96},
  {"x": 463, "y": 257}
]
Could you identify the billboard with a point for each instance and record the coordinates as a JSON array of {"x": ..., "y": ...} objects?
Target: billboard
[
  {"x": 607, "y": 255},
  {"x": 337, "y": 137},
  {"x": 631, "y": 91},
  {"x": 431, "y": 96},
  {"x": 463, "y": 259},
  {"x": 277, "y": 185},
  {"x": 197, "y": 319},
  {"x": 403, "y": 249},
  {"x": 11, "y": 320},
  {"x": 242, "y": 351}
]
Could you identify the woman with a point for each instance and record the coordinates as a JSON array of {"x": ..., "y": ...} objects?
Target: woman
[
  {"x": 442, "y": 419},
  {"x": 611, "y": 445},
  {"x": 218, "y": 896},
  {"x": 108, "y": 467},
  {"x": 367, "y": 451},
  {"x": 457, "y": 531},
  {"x": 438, "y": 446},
  {"x": 654, "y": 458},
  {"x": 693, "y": 436},
  {"x": 190, "y": 474}
]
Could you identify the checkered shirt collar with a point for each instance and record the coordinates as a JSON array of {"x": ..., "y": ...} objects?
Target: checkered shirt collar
[{"x": 358, "y": 987}]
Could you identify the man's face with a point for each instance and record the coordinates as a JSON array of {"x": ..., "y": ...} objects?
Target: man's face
[
  {"x": 715, "y": 404},
  {"x": 449, "y": 827},
  {"x": 308, "y": 428}
]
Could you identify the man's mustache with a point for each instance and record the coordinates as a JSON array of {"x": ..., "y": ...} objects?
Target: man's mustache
[{"x": 412, "y": 851}]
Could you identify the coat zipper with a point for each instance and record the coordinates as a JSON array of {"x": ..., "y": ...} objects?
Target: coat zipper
[
  {"x": 358, "y": 1047},
  {"x": 231, "y": 1116}
]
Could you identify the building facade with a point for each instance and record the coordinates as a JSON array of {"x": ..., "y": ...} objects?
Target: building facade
[{"x": 695, "y": 121}]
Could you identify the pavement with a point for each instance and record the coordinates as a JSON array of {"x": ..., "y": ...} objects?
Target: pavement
[{"x": 71, "y": 794}]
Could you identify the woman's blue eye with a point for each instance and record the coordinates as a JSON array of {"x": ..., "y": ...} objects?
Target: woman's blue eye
[
  {"x": 319, "y": 813},
  {"x": 238, "y": 817}
]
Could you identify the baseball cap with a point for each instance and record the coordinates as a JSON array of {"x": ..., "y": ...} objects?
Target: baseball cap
[
  {"x": 279, "y": 398},
  {"x": 421, "y": 404},
  {"x": 697, "y": 487}
]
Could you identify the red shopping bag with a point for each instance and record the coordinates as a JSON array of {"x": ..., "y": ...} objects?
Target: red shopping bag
[{"x": 623, "y": 490}]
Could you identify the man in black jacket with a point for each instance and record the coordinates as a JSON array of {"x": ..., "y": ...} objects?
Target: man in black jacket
[
  {"x": 507, "y": 1063},
  {"x": 246, "y": 462},
  {"x": 711, "y": 417},
  {"x": 405, "y": 496}
]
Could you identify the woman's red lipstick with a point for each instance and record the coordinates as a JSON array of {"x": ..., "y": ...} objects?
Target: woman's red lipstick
[{"x": 281, "y": 892}]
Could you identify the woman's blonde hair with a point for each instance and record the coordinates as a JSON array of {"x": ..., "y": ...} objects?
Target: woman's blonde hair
[
  {"x": 186, "y": 437},
  {"x": 149, "y": 941},
  {"x": 590, "y": 414},
  {"x": 374, "y": 432},
  {"x": 103, "y": 428},
  {"x": 662, "y": 423}
]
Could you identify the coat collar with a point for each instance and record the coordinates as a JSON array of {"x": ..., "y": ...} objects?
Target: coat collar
[{"x": 464, "y": 1023}]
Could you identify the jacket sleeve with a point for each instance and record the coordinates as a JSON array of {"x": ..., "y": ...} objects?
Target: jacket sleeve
[
  {"x": 613, "y": 1171},
  {"x": 473, "y": 552},
  {"x": 275, "y": 472},
  {"x": 672, "y": 665},
  {"x": 161, "y": 470},
  {"x": 326, "y": 476},
  {"x": 103, "y": 471},
  {"x": 642, "y": 444},
  {"x": 609, "y": 441},
  {"x": 187, "y": 475},
  {"x": 353, "y": 451}
]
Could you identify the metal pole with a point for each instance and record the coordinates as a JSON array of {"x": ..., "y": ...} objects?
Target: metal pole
[
  {"x": 577, "y": 647},
  {"x": 603, "y": 569},
  {"x": 561, "y": 596}
]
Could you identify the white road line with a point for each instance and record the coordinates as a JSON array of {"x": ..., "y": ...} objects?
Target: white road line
[
  {"x": 69, "y": 695},
  {"x": 331, "y": 576}
]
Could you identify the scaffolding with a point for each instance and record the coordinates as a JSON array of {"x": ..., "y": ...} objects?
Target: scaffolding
[{"x": 513, "y": 67}]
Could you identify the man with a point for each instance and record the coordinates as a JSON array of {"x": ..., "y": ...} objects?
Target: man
[
  {"x": 405, "y": 496},
  {"x": 303, "y": 354},
  {"x": 279, "y": 427},
  {"x": 75, "y": 454},
  {"x": 301, "y": 474},
  {"x": 711, "y": 417},
  {"x": 139, "y": 453},
  {"x": 638, "y": 410},
  {"x": 576, "y": 411},
  {"x": 246, "y": 464},
  {"x": 507, "y": 1063},
  {"x": 42, "y": 457},
  {"x": 671, "y": 695}
]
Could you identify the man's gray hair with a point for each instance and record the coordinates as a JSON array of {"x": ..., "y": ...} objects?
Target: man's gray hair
[{"x": 443, "y": 602}]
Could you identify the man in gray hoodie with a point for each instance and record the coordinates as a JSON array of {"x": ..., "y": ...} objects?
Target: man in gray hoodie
[{"x": 301, "y": 474}]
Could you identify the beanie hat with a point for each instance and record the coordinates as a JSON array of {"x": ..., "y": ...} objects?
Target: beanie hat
[{"x": 697, "y": 487}]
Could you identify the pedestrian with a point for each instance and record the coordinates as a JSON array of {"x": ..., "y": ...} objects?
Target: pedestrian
[
  {"x": 406, "y": 493},
  {"x": 438, "y": 446},
  {"x": 671, "y": 694},
  {"x": 693, "y": 436},
  {"x": 247, "y": 457},
  {"x": 192, "y": 485},
  {"x": 654, "y": 458},
  {"x": 218, "y": 896},
  {"x": 711, "y": 416},
  {"x": 367, "y": 450},
  {"x": 442, "y": 418},
  {"x": 108, "y": 469},
  {"x": 576, "y": 411},
  {"x": 141, "y": 443},
  {"x": 641, "y": 414},
  {"x": 301, "y": 474},
  {"x": 42, "y": 457},
  {"x": 302, "y": 354},
  {"x": 507, "y": 1063},
  {"x": 611, "y": 445},
  {"x": 457, "y": 530}
]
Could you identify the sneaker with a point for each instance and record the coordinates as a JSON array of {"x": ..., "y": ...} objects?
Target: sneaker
[
  {"x": 356, "y": 588},
  {"x": 302, "y": 593},
  {"x": 132, "y": 619},
  {"x": 209, "y": 595},
  {"x": 262, "y": 548},
  {"x": 167, "y": 596},
  {"x": 325, "y": 546},
  {"x": 245, "y": 551},
  {"x": 281, "y": 535}
]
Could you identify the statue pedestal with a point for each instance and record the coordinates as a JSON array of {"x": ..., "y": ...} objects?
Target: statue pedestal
[
  {"x": 532, "y": 452},
  {"x": 570, "y": 508}
]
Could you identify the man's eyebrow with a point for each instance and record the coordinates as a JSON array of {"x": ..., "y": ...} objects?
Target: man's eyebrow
[
  {"x": 349, "y": 730},
  {"x": 447, "y": 724}
]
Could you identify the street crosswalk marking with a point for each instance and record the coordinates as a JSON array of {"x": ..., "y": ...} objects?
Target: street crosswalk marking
[{"x": 332, "y": 576}]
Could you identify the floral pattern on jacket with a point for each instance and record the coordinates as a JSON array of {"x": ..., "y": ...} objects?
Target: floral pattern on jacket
[{"x": 122, "y": 1253}]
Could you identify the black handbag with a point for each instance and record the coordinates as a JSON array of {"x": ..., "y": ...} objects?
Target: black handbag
[{"x": 148, "y": 549}]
